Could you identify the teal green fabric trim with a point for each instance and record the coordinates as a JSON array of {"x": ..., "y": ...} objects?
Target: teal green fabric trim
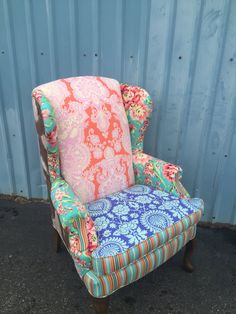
[
  {"x": 158, "y": 173},
  {"x": 49, "y": 121},
  {"x": 67, "y": 204},
  {"x": 75, "y": 219},
  {"x": 69, "y": 210}
]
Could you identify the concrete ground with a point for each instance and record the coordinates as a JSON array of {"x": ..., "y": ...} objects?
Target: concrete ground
[{"x": 34, "y": 279}]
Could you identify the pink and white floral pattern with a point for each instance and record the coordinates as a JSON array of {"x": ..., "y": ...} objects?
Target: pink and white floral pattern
[{"x": 93, "y": 135}]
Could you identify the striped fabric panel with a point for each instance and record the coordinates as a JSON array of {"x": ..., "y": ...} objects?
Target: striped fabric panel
[
  {"x": 81, "y": 229},
  {"x": 102, "y": 286},
  {"x": 107, "y": 265}
]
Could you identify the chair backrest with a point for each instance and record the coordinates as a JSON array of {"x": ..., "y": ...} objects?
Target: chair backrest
[
  {"x": 83, "y": 132},
  {"x": 85, "y": 119}
]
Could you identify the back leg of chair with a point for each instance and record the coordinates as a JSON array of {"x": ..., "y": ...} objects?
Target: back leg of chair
[
  {"x": 56, "y": 241},
  {"x": 100, "y": 305},
  {"x": 189, "y": 249}
]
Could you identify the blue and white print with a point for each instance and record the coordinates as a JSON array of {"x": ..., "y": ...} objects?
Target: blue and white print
[
  {"x": 169, "y": 204},
  {"x": 111, "y": 246},
  {"x": 156, "y": 220},
  {"x": 137, "y": 236},
  {"x": 120, "y": 210},
  {"x": 175, "y": 207},
  {"x": 143, "y": 199},
  {"x": 138, "y": 189},
  {"x": 101, "y": 223},
  {"x": 126, "y": 218},
  {"x": 193, "y": 203},
  {"x": 127, "y": 227},
  {"x": 100, "y": 207}
]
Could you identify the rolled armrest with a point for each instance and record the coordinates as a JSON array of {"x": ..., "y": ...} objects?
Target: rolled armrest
[
  {"x": 66, "y": 203},
  {"x": 75, "y": 220},
  {"x": 158, "y": 173}
]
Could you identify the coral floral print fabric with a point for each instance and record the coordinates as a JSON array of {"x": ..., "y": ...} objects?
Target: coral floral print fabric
[
  {"x": 138, "y": 106},
  {"x": 93, "y": 135}
]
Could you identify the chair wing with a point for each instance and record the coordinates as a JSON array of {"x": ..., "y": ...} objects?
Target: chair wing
[
  {"x": 138, "y": 106},
  {"x": 147, "y": 169}
]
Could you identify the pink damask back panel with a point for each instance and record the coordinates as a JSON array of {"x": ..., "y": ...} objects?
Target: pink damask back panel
[{"x": 93, "y": 135}]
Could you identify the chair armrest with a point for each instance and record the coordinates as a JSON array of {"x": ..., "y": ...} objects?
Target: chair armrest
[
  {"x": 75, "y": 220},
  {"x": 66, "y": 203},
  {"x": 158, "y": 173}
]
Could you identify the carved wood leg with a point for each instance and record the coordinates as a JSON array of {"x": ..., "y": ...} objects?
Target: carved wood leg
[
  {"x": 187, "y": 262},
  {"x": 100, "y": 305},
  {"x": 56, "y": 241}
]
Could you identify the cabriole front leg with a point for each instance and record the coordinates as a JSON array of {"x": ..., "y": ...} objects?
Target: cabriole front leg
[
  {"x": 100, "y": 305},
  {"x": 56, "y": 241},
  {"x": 189, "y": 249}
]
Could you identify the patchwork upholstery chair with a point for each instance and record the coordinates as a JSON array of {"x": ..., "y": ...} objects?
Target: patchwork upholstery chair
[{"x": 120, "y": 212}]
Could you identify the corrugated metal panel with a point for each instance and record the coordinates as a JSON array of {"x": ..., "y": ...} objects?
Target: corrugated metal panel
[{"x": 183, "y": 52}]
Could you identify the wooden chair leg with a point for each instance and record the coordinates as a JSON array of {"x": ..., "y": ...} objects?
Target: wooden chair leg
[
  {"x": 56, "y": 241},
  {"x": 100, "y": 305},
  {"x": 189, "y": 249}
]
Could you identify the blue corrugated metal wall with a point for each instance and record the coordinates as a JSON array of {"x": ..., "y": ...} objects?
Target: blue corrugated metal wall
[{"x": 183, "y": 52}]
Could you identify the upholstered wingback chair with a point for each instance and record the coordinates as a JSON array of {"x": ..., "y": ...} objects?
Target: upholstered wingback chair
[{"x": 119, "y": 212}]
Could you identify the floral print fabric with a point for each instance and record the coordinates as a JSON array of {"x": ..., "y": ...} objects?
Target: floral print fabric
[
  {"x": 159, "y": 174},
  {"x": 47, "y": 136},
  {"x": 70, "y": 210},
  {"x": 138, "y": 106},
  {"x": 126, "y": 218},
  {"x": 148, "y": 170},
  {"x": 92, "y": 135}
]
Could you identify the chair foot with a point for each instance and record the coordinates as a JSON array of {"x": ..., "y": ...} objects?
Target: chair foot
[
  {"x": 187, "y": 262},
  {"x": 100, "y": 305},
  {"x": 56, "y": 241}
]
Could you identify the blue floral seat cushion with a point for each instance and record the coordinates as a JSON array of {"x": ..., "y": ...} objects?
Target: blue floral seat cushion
[{"x": 126, "y": 218}]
